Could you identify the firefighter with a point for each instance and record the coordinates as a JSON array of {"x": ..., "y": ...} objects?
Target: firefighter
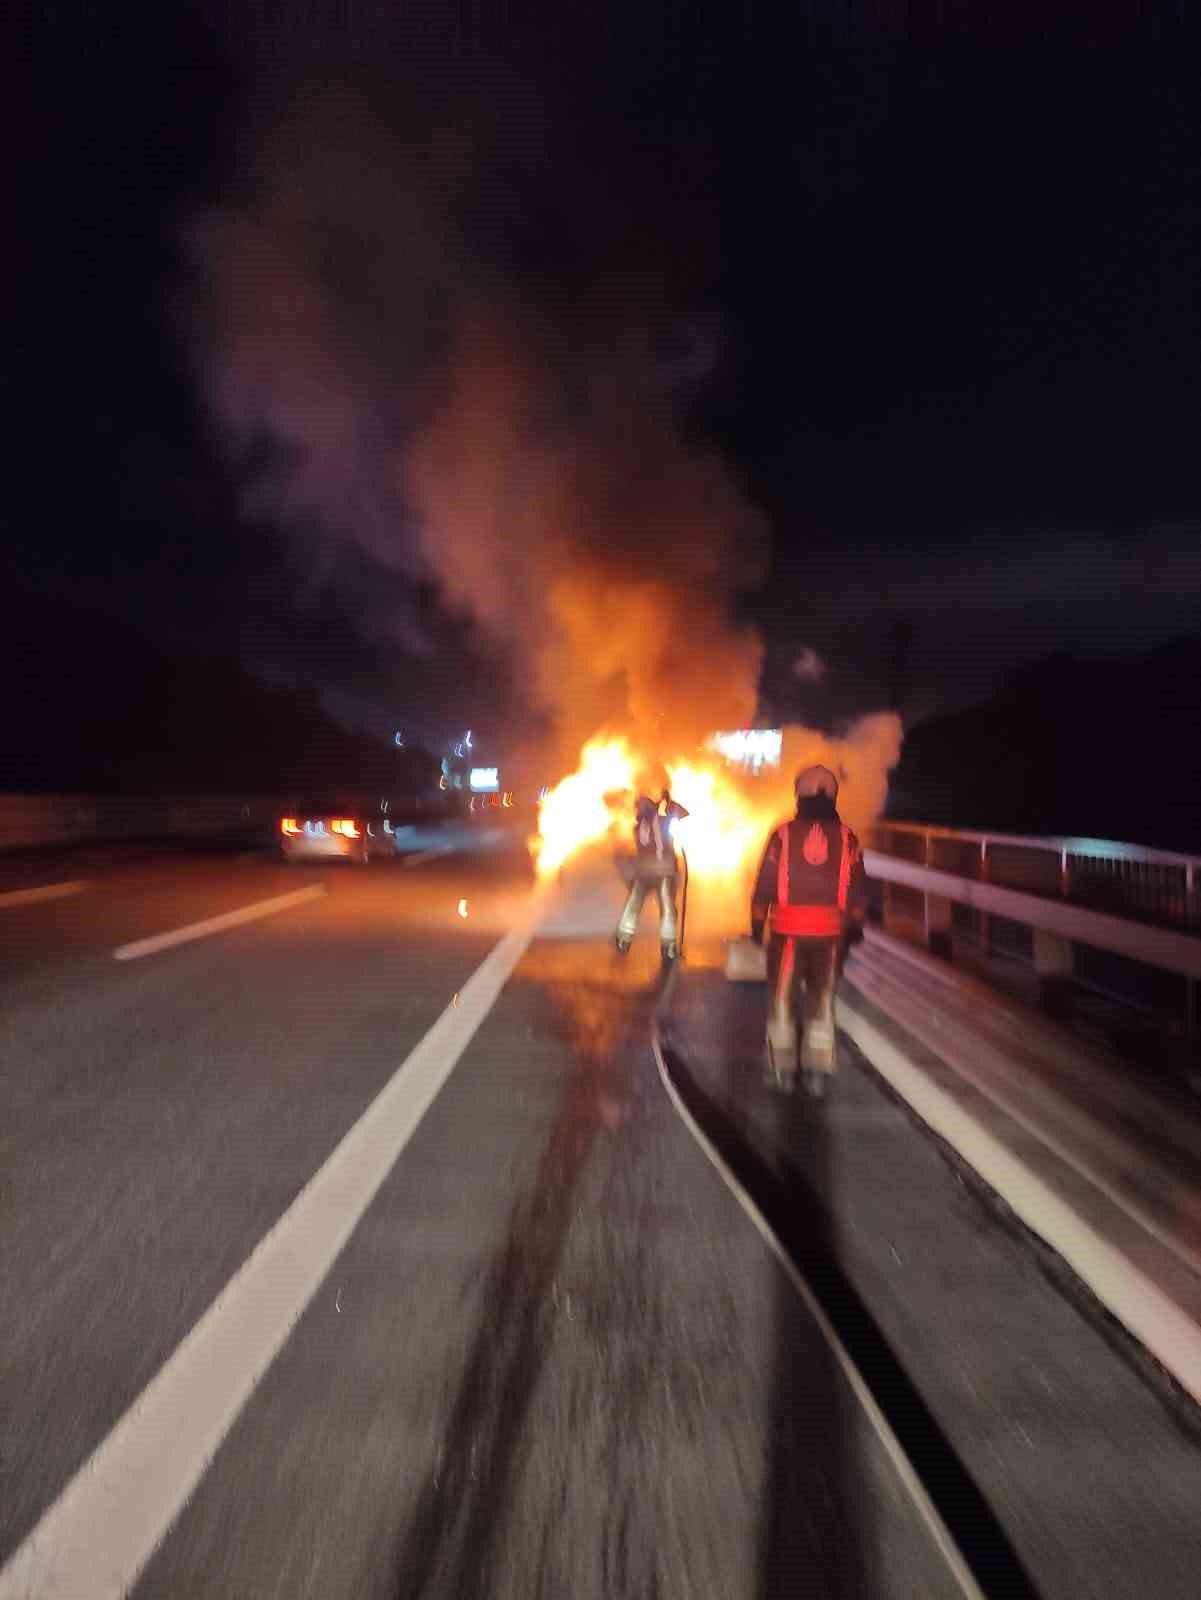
[
  {"x": 655, "y": 868},
  {"x": 811, "y": 893}
]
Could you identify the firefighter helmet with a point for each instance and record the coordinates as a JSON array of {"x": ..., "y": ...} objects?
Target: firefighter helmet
[{"x": 815, "y": 780}]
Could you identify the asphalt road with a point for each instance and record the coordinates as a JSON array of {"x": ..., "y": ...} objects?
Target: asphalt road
[{"x": 554, "y": 1358}]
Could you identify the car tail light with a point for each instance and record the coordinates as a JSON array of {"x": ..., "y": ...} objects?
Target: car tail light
[
  {"x": 289, "y": 825},
  {"x": 346, "y": 826}
]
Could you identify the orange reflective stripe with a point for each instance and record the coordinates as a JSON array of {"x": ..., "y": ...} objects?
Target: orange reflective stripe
[
  {"x": 787, "y": 962},
  {"x": 807, "y": 922},
  {"x": 844, "y": 869},
  {"x": 782, "y": 870}
]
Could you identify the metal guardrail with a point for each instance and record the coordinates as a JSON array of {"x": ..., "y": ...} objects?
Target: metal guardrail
[
  {"x": 1135, "y": 903},
  {"x": 1127, "y": 880},
  {"x": 1073, "y": 923}
]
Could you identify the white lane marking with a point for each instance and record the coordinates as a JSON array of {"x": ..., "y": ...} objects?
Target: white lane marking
[
  {"x": 893, "y": 1448},
  {"x": 98, "y": 1535},
  {"x": 1134, "y": 1298},
  {"x": 428, "y": 855},
  {"x": 228, "y": 919},
  {"x": 44, "y": 891},
  {"x": 1188, "y": 1251}
]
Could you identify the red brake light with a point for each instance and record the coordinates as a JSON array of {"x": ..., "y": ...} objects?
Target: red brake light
[{"x": 289, "y": 825}]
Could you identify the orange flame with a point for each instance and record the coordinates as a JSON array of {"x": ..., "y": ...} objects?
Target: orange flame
[
  {"x": 729, "y": 814},
  {"x": 721, "y": 834},
  {"x": 585, "y": 806},
  {"x": 723, "y": 831}
]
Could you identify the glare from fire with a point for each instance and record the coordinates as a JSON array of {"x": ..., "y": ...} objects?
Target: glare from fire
[
  {"x": 722, "y": 830},
  {"x": 730, "y": 811},
  {"x": 584, "y": 807},
  {"x": 720, "y": 835}
]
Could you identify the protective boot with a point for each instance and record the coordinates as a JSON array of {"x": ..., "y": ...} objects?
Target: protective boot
[
  {"x": 779, "y": 1062},
  {"x": 780, "y": 1055},
  {"x": 819, "y": 1060},
  {"x": 627, "y": 925},
  {"x": 668, "y": 924}
]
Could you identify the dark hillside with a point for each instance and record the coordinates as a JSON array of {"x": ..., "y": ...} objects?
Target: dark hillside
[
  {"x": 114, "y": 713},
  {"x": 1107, "y": 748}
]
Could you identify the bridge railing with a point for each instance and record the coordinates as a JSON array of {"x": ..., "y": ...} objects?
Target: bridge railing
[
  {"x": 1159, "y": 886},
  {"x": 1066, "y": 897}
]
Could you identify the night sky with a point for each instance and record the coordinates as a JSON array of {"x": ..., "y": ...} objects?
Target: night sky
[{"x": 938, "y": 309}]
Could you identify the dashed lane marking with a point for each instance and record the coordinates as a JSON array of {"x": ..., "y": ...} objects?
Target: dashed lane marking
[
  {"x": 98, "y": 1535},
  {"x": 44, "y": 891},
  {"x": 228, "y": 919}
]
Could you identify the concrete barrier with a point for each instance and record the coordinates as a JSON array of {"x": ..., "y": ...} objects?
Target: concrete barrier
[{"x": 47, "y": 819}]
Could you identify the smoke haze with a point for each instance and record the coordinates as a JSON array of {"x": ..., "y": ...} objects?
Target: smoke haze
[
  {"x": 479, "y": 364},
  {"x": 469, "y": 333}
]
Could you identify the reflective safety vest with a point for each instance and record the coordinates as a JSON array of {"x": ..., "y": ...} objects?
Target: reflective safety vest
[
  {"x": 811, "y": 869},
  {"x": 653, "y": 839}
]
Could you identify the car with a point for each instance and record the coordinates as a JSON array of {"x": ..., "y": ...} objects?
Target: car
[
  {"x": 483, "y": 807},
  {"x": 331, "y": 830}
]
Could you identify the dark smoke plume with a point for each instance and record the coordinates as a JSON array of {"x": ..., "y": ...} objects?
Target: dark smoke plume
[{"x": 469, "y": 331}]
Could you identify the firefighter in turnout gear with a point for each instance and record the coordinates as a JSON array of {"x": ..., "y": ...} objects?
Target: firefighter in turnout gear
[
  {"x": 655, "y": 869},
  {"x": 811, "y": 893}
]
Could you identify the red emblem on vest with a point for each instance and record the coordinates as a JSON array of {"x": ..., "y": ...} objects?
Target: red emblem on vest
[{"x": 817, "y": 846}]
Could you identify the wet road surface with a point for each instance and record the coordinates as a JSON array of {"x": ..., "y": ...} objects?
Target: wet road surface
[{"x": 554, "y": 1358}]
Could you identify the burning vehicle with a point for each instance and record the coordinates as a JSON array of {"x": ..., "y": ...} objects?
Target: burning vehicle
[{"x": 732, "y": 800}]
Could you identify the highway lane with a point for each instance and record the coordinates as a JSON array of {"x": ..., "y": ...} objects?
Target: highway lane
[
  {"x": 1092, "y": 1474},
  {"x": 550, "y": 1361},
  {"x": 130, "y": 896},
  {"x": 127, "y": 894},
  {"x": 554, "y": 1357},
  {"x": 548, "y": 1349},
  {"x": 156, "y": 1117}
]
